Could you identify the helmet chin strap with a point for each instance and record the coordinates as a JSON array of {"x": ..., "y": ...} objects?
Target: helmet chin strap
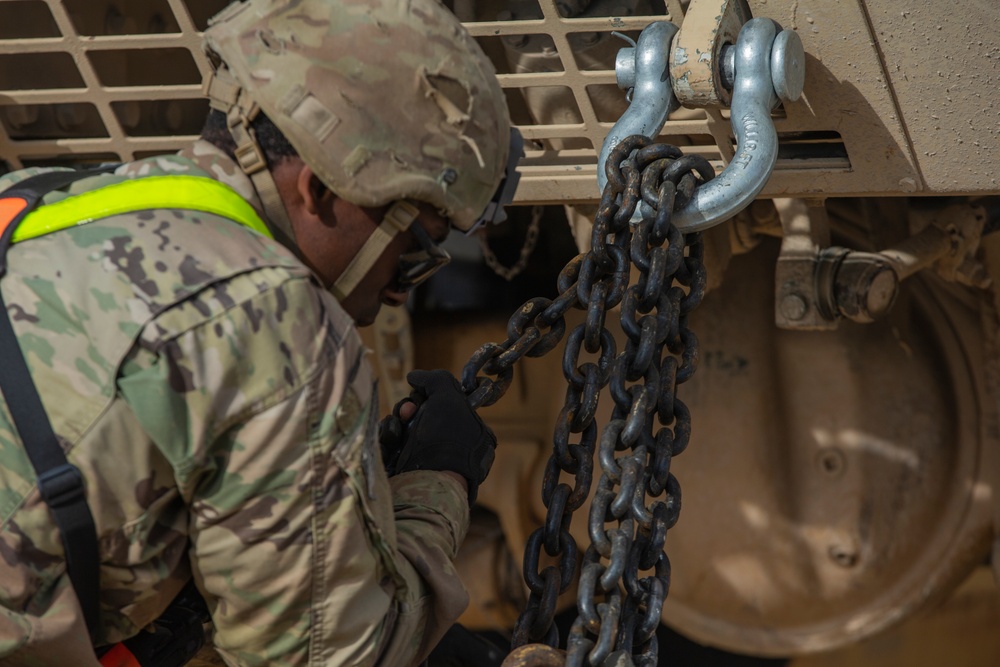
[
  {"x": 226, "y": 95},
  {"x": 397, "y": 219}
]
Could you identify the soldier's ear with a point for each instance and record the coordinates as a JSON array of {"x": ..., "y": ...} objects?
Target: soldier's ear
[{"x": 315, "y": 195}]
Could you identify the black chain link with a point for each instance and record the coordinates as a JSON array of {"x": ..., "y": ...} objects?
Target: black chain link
[
  {"x": 530, "y": 243},
  {"x": 625, "y": 572}
]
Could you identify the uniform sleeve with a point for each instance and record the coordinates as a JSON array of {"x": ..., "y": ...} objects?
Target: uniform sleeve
[{"x": 304, "y": 551}]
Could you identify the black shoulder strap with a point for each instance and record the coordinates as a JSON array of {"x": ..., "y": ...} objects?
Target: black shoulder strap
[{"x": 59, "y": 482}]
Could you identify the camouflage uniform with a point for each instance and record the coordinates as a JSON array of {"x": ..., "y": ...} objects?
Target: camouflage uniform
[{"x": 218, "y": 403}]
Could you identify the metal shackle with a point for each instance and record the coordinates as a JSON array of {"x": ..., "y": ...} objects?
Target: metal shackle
[{"x": 768, "y": 66}]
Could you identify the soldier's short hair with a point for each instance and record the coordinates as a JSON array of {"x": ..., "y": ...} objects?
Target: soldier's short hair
[{"x": 270, "y": 139}]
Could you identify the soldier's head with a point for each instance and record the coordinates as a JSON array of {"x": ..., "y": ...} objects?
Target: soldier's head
[{"x": 383, "y": 126}]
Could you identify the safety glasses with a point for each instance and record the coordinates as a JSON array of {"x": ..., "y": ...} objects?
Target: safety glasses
[{"x": 417, "y": 266}]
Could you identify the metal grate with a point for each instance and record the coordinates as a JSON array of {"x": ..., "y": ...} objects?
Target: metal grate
[
  {"x": 84, "y": 81},
  {"x": 576, "y": 99}
]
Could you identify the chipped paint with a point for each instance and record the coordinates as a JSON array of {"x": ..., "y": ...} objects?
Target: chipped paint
[{"x": 707, "y": 27}]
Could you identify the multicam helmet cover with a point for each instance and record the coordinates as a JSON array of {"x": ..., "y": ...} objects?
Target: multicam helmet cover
[{"x": 384, "y": 99}]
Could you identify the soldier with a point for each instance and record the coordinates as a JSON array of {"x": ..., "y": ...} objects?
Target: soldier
[{"x": 188, "y": 323}]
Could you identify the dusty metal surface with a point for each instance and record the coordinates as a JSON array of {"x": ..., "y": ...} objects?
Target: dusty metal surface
[
  {"x": 960, "y": 631},
  {"x": 943, "y": 66},
  {"x": 696, "y": 62},
  {"x": 958, "y": 228},
  {"x": 838, "y": 472},
  {"x": 85, "y": 80},
  {"x": 805, "y": 231}
]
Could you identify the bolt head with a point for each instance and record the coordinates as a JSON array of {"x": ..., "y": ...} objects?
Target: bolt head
[
  {"x": 844, "y": 556},
  {"x": 882, "y": 292},
  {"x": 788, "y": 65},
  {"x": 794, "y": 307},
  {"x": 831, "y": 461}
]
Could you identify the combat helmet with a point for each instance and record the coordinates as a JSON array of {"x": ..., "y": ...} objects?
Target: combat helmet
[{"x": 386, "y": 101}]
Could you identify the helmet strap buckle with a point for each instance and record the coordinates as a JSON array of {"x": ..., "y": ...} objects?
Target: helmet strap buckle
[
  {"x": 250, "y": 158},
  {"x": 401, "y": 215},
  {"x": 221, "y": 89},
  {"x": 248, "y": 154},
  {"x": 253, "y": 163}
]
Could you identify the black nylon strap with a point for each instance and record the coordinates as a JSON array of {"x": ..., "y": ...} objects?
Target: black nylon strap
[{"x": 59, "y": 482}]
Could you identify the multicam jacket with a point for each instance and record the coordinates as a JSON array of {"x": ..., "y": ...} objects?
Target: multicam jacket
[{"x": 220, "y": 407}]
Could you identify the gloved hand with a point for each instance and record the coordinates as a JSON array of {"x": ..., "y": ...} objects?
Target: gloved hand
[
  {"x": 444, "y": 434},
  {"x": 392, "y": 434}
]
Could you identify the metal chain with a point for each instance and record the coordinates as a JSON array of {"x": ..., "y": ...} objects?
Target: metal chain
[
  {"x": 530, "y": 241},
  {"x": 625, "y": 573}
]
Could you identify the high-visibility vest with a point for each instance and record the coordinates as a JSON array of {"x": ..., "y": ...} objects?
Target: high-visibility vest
[
  {"x": 21, "y": 218},
  {"x": 196, "y": 193}
]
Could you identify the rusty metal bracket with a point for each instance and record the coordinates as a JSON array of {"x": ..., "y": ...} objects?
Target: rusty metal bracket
[
  {"x": 816, "y": 285},
  {"x": 805, "y": 232},
  {"x": 699, "y": 74},
  {"x": 946, "y": 239}
]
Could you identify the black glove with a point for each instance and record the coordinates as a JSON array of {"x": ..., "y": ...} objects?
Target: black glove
[
  {"x": 445, "y": 433},
  {"x": 392, "y": 434}
]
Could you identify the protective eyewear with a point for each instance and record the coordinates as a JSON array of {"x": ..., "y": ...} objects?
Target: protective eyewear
[{"x": 417, "y": 266}]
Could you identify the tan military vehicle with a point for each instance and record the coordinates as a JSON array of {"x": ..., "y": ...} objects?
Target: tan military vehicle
[{"x": 839, "y": 503}]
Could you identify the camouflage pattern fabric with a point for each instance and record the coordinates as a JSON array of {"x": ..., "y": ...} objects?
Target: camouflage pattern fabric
[
  {"x": 219, "y": 405},
  {"x": 384, "y": 100}
]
